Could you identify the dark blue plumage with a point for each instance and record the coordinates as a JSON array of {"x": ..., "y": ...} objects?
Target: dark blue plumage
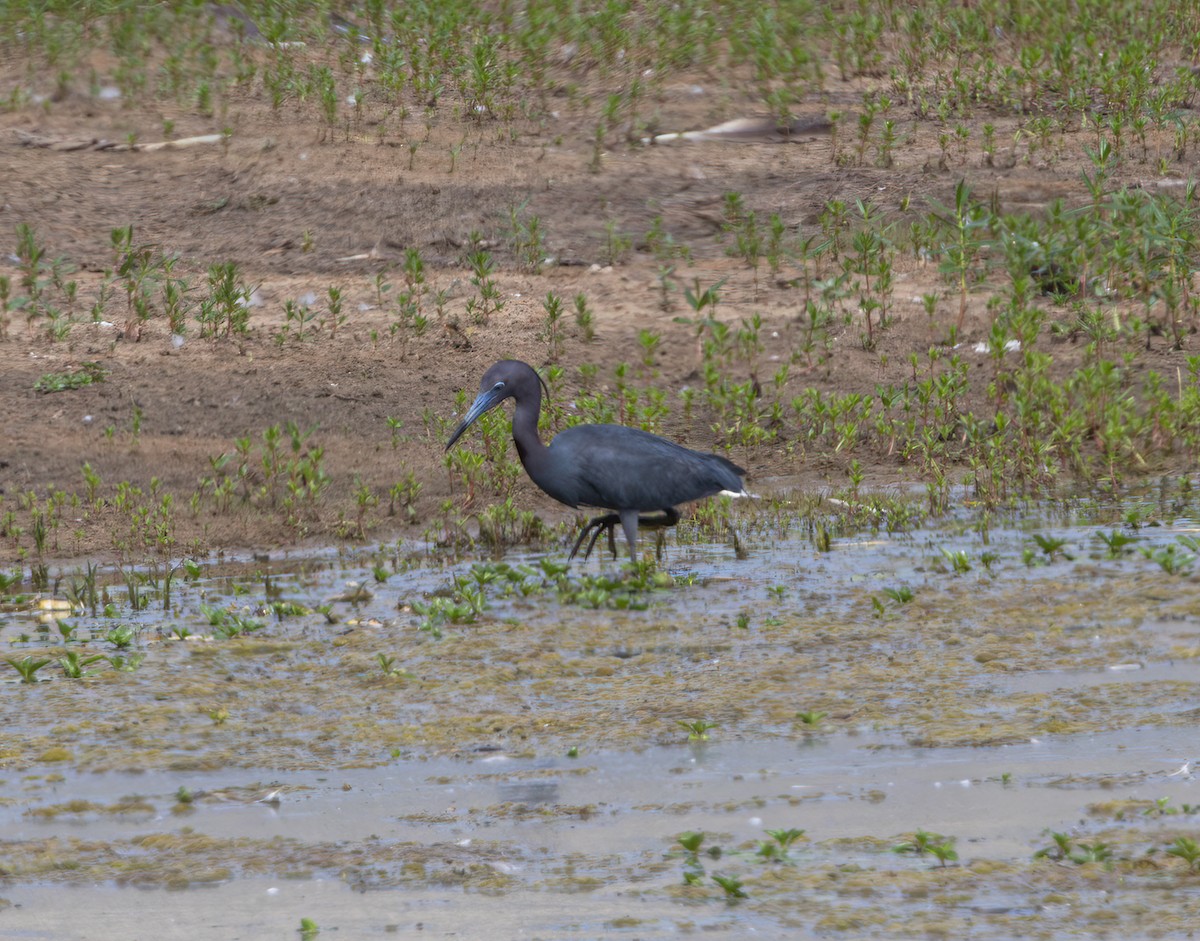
[{"x": 606, "y": 466}]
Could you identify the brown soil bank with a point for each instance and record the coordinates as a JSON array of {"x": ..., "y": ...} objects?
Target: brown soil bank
[{"x": 261, "y": 338}]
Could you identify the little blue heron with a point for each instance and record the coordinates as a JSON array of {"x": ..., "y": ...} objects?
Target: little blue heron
[{"x": 607, "y": 466}]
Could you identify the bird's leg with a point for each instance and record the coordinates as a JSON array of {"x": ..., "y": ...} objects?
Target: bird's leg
[
  {"x": 607, "y": 525},
  {"x": 629, "y": 523},
  {"x": 595, "y": 527},
  {"x": 627, "y": 519}
]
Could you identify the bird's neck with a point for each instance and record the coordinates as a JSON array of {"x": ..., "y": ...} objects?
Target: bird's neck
[{"x": 525, "y": 435}]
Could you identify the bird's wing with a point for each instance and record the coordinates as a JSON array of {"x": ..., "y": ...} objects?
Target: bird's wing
[{"x": 616, "y": 467}]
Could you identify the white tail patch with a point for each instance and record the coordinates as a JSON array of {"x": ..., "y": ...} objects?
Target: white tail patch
[{"x": 735, "y": 494}]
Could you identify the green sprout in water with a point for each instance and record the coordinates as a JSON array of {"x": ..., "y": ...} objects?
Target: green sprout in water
[
  {"x": 74, "y": 666},
  {"x": 960, "y": 561},
  {"x": 27, "y": 667},
  {"x": 1188, "y": 850},
  {"x": 387, "y": 664},
  {"x": 811, "y": 718},
  {"x": 776, "y": 849},
  {"x": 924, "y": 841},
  {"x": 732, "y": 886},
  {"x": 697, "y": 729},
  {"x": 1116, "y": 542},
  {"x": 1171, "y": 559}
]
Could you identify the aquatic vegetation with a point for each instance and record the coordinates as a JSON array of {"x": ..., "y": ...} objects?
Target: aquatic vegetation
[
  {"x": 697, "y": 729},
  {"x": 776, "y": 849},
  {"x": 923, "y": 841},
  {"x": 74, "y": 665},
  {"x": 27, "y": 667},
  {"x": 1188, "y": 850},
  {"x": 731, "y": 886}
]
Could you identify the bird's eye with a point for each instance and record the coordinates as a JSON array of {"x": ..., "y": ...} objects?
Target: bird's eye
[{"x": 498, "y": 386}]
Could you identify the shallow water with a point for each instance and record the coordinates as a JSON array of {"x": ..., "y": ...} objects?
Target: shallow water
[{"x": 281, "y": 774}]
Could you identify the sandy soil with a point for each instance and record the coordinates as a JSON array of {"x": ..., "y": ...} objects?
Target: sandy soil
[{"x": 300, "y": 209}]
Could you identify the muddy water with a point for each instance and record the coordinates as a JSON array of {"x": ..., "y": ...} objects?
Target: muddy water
[{"x": 529, "y": 773}]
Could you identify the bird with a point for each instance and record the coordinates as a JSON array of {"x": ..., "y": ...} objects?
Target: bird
[{"x": 612, "y": 467}]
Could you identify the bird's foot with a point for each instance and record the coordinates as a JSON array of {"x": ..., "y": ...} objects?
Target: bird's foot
[{"x": 596, "y": 527}]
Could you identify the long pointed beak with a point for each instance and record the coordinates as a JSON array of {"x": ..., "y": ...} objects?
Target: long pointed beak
[{"x": 484, "y": 402}]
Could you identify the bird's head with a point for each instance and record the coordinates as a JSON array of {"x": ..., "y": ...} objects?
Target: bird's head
[{"x": 509, "y": 378}]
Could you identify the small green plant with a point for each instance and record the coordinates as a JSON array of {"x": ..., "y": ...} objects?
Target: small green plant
[
  {"x": 74, "y": 666},
  {"x": 387, "y": 664},
  {"x": 86, "y": 375},
  {"x": 960, "y": 561},
  {"x": 1050, "y": 545},
  {"x": 924, "y": 841},
  {"x": 1170, "y": 558},
  {"x": 1097, "y": 852},
  {"x": 776, "y": 849},
  {"x": 732, "y": 886},
  {"x": 121, "y": 636},
  {"x": 308, "y": 929},
  {"x": 697, "y": 729},
  {"x": 811, "y": 718},
  {"x": 27, "y": 667},
  {"x": 1188, "y": 850},
  {"x": 125, "y": 664}
]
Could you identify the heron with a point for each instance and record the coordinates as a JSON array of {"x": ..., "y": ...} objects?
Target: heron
[{"x": 611, "y": 467}]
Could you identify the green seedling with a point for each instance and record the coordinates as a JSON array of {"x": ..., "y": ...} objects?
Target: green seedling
[
  {"x": 811, "y": 718},
  {"x": 388, "y": 665},
  {"x": 235, "y": 626},
  {"x": 287, "y": 609},
  {"x": 27, "y": 667},
  {"x": 697, "y": 729},
  {"x": 1097, "y": 852},
  {"x": 573, "y": 751},
  {"x": 1060, "y": 849},
  {"x": 776, "y": 849},
  {"x": 1116, "y": 541},
  {"x": 960, "y": 561},
  {"x": 66, "y": 631},
  {"x": 897, "y": 596},
  {"x": 308, "y": 929},
  {"x": 127, "y": 664},
  {"x": 1188, "y": 850},
  {"x": 732, "y": 886},
  {"x": 121, "y": 636},
  {"x": 1171, "y": 558},
  {"x": 691, "y": 841},
  {"x": 60, "y": 382},
  {"x": 1049, "y": 544},
  {"x": 944, "y": 852},
  {"x": 74, "y": 666},
  {"x": 924, "y": 841}
]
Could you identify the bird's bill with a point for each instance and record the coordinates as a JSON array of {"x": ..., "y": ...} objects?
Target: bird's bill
[{"x": 484, "y": 402}]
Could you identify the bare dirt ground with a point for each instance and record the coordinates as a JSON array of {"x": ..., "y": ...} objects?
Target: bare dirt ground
[{"x": 299, "y": 209}]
